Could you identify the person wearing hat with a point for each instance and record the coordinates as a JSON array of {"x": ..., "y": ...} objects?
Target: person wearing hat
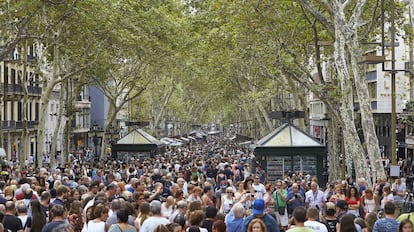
[
  {"x": 259, "y": 212},
  {"x": 330, "y": 219},
  {"x": 341, "y": 210}
]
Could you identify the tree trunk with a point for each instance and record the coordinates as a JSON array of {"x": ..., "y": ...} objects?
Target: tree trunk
[
  {"x": 334, "y": 151},
  {"x": 25, "y": 132},
  {"x": 257, "y": 119},
  {"x": 268, "y": 124},
  {"x": 67, "y": 122},
  {"x": 160, "y": 114},
  {"x": 367, "y": 120},
  {"x": 53, "y": 150},
  {"x": 1, "y": 121},
  {"x": 353, "y": 147}
]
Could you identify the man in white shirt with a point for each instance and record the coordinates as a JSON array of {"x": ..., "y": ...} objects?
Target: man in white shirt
[
  {"x": 312, "y": 222},
  {"x": 156, "y": 219},
  {"x": 314, "y": 197},
  {"x": 258, "y": 187}
]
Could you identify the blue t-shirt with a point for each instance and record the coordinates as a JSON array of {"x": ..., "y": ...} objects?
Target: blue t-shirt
[
  {"x": 234, "y": 224},
  {"x": 386, "y": 225},
  {"x": 268, "y": 220},
  {"x": 51, "y": 225}
]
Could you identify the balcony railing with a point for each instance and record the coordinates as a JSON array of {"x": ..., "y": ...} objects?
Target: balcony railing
[
  {"x": 80, "y": 129},
  {"x": 17, "y": 89},
  {"x": 18, "y": 125},
  {"x": 85, "y": 104}
]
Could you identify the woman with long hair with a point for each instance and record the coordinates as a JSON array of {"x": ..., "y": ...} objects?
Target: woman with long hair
[
  {"x": 240, "y": 191},
  {"x": 193, "y": 206},
  {"x": 75, "y": 217},
  {"x": 387, "y": 195},
  {"x": 268, "y": 198},
  {"x": 370, "y": 220},
  {"x": 346, "y": 224},
  {"x": 406, "y": 226},
  {"x": 38, "y": 217},
  {"x": 9, "y": 192},
  {"x": 144, "y": 213},
  {"x": 196, "y": 218},
  {"x": 353, "y": 200},
  {"x": 100, "y": 214},
  {"x": 369, "y": 202},
  {"x": 338, "y": 194}
]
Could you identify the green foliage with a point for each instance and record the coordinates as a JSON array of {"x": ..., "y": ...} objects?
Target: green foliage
[{"x": 222, "y": 57}]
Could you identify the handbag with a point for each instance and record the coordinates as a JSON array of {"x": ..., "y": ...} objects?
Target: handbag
[{"x": 281, "y": 210}]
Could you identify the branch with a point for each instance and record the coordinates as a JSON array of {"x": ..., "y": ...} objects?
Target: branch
[
  {"x": 373, "y": 20},
  {"x": 318, "y": 15},
  {"x": 356, "y": 15}
]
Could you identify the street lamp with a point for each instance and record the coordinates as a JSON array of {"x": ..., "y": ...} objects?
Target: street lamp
[
  {"x": 113, "y": 134},
  {"x": 95, "y": 139}
]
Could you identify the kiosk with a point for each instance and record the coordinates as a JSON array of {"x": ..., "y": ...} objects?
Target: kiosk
[{"x": 288, "y": 149}]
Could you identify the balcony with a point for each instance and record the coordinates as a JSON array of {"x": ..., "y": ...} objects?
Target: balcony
[
  {"x": 11, "y": 125},
  {"x": 80, "y": 129},
  {"x": 16, "y": 89},
  {"x": 82, "y": 104}
]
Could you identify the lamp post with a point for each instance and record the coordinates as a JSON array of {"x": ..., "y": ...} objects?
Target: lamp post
[
  {"x": 113, "y": 136},
  {"x": 393, "y": 100},
  {"x": 95, "y": 139}
]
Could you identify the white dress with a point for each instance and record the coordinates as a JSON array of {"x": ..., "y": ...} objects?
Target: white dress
[{"x": 95, "y": 226}]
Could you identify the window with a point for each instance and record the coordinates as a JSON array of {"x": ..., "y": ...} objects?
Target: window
[
  {"x": 13, "y": 76},
  {"x": 372, "y": 89},
  {"x": 36, "y": 111},
  {"x": 19, "y": 111}
]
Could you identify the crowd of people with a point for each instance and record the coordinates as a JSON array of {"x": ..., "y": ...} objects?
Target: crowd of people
[{"x": 209, "y": 186}]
